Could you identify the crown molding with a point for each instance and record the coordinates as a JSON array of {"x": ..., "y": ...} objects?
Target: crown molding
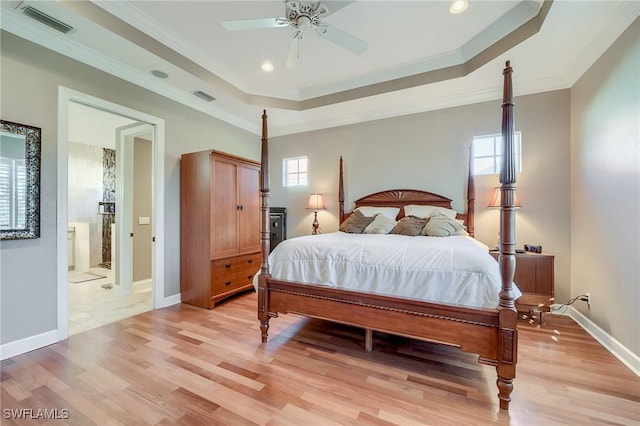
[
  {"x": 167, "y": 45},
  {"x": 13, "y": 22},
  {"x": 385, "y": 109},
  {"x": 128, "y": 13},
  {"x": 376, "y": 106},
  {"x": 627, "y": 12}
]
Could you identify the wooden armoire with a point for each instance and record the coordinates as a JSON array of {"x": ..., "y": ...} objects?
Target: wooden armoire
[{"x": 219, "y": 226}]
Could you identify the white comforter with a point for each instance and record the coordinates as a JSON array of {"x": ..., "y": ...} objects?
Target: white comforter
[{"x": 453, "y": 270}]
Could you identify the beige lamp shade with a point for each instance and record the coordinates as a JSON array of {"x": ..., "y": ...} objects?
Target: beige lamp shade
[
  {"x": 316, "y": 202},
  {"x": 495, "y": 202}
]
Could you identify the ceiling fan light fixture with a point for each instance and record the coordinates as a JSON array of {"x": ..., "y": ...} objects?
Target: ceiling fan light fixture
[
  {"x": 266, "y": 66},
  {"x": 458, "y": 6},
  {"x": 304, "y": 23}
]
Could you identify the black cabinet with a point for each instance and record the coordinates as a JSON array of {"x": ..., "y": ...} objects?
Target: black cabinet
[{"x": 278, "y": 224}]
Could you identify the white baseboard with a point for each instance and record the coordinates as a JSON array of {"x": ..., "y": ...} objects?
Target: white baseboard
[
  {"x": 38, "y": 341},
  {"x": 628, "y": 358},
  {"x": 28, "y": 344},
  {"x": 172, "y": 300}
]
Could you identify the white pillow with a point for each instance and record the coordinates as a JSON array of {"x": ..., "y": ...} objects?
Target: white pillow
[
  {"x": 380, "y": 225},
  {"x": 424, "y": 212},
  {"x": 447, "y": 212},
  {"x": 463, "y": 231},
  {"x": 390, "y": 212}
]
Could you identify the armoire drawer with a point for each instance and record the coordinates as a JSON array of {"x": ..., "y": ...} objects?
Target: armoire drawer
[
  {"x": 228, "y": 282},
  {"x": 235, "y": 264},
  {"x": 234, "y": 272}
]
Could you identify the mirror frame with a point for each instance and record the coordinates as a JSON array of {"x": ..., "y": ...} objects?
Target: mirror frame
[{"x": 32, "y": 165}]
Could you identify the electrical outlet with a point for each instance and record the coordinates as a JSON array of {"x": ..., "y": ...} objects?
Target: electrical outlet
[{"x": 587, "y": 298}]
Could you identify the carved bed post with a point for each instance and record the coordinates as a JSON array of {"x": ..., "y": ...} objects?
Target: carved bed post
[
  {"x": 265, "y": 235},
  {"x": 341, "y": 192},
  {"x": 508, "y": 317},
  {"x": 471, "y": 197}
]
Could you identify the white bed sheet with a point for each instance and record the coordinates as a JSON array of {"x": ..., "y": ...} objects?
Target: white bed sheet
[{"x": 454, "y": 270}]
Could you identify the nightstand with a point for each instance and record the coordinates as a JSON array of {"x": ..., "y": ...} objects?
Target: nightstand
[{"x": 534, "y": 278}]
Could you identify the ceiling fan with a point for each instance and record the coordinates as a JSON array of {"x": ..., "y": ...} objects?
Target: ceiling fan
[{"x": 304, "y": 17}]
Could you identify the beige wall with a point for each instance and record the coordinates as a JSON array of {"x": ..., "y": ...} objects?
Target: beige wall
[
  {"x": 30, "y": 76},
  {"x": 429, "y": 151},
  {"x": 142, "y": 191},
  {"x": 605, "y": 187}
]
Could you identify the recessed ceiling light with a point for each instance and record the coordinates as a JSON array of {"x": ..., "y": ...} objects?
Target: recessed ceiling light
[
  {"x": 459, "y": 6},
  {"x": 160, "y": 74},
  {"x": 267, "y": 66}
]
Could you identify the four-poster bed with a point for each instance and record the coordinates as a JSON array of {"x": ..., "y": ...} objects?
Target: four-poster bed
[{"x": 489, "y": 332}]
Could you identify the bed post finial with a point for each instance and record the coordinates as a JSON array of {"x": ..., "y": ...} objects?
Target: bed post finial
[
  {"x": 265, "y": 234},
  {"x": 341, "y": 192}
]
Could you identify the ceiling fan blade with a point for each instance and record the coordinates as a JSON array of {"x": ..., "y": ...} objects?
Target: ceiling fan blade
[
  {"x": 294, "y": 50},
  {"x": 252, "y": 24},
  {"x": 343, "y": 39}
]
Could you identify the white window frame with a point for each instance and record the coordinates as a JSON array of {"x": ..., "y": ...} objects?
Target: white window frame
[
  {"x": 301, "y": 177},
  {"x": 497, "y": 138}
]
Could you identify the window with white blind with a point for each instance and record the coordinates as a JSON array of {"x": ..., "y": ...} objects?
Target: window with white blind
[
  {"x": 13, "y": 193},
  {"x": 486, "y": 151},
  {"x": 294, "y": 171}
]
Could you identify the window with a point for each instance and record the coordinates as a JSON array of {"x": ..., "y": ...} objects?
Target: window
[
  {"x": 13, "y": 189},
  {"x": 487, "y": 151},
  {"x": 294, "y": 171}
]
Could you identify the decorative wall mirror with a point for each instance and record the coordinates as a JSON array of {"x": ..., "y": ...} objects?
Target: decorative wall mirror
[{"x": 19, "y": 181}]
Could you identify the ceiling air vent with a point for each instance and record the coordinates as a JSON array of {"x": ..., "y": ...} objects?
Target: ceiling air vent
[
  {"x": 48, "y": 20},
  {"x": 207, "y": 97}
]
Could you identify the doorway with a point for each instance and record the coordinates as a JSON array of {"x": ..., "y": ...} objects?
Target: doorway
[{"x": 108, "y": 290}]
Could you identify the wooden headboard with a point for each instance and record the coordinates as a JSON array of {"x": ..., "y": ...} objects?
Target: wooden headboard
[{"x": 402, "y": 197}]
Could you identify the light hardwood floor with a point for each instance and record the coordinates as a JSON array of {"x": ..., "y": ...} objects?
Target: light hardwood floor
[{"x": 190, "y": 366}]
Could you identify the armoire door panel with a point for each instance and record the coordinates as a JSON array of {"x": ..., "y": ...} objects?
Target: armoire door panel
[
  {"x": 224, "y": 207},
  {"x": 249, "y": 215}
]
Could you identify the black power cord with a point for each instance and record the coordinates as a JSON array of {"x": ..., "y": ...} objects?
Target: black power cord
[{"x": 582, "y": 297}]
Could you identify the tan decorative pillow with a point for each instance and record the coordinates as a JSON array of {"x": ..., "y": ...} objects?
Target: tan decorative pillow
[
  {"x": 409, "y": 225},
  {"x": 381, "y": 225},
  {"x": 355, "y": 223},
  {"x": 440, "y": 225}
]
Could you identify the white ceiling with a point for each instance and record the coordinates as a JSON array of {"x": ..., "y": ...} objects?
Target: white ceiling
[
  {"x": 420, "y": 57},
  {"x": 91, "y": 126}
]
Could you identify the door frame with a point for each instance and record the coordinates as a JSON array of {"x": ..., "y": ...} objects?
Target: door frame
[
  {"x": 65, "y": 96},
  {"x": 125, "y": 136}
]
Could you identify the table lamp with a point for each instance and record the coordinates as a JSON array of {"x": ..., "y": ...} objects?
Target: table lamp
[{"x": 315, "y": 203}]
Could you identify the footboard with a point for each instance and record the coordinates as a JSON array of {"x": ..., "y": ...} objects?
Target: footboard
[{"x": 472, "y": 330}]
